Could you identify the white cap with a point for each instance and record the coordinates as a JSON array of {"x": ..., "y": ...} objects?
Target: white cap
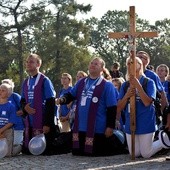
[
  {"x": 37, "y": 144},
  {"x": 164, "y": 139}
]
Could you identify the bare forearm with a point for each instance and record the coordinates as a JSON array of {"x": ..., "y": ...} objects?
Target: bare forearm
[
  {"x": 144, "y": 97},
  {"x": 121, "y": 104},
  {"x": 6, "y": 127}
]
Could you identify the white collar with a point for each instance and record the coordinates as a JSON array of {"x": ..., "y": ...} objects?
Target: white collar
[{"x": 36, "y": 81}]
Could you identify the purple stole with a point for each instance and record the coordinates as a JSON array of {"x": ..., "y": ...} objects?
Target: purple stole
[
  {"x": 38, "y": 116},
  {"x": 91, "y": 116}
]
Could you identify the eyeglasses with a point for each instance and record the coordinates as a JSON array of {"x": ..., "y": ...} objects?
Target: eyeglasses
[{"x": 142, "y": 57}]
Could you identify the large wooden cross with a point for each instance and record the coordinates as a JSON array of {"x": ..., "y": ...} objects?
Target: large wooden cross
[{"x": 131, "y": 35}]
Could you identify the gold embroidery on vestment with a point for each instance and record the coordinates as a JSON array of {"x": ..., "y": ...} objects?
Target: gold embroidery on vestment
[
  {"x": 89, "y": 141},
  {"x": 75, "y": 137}
]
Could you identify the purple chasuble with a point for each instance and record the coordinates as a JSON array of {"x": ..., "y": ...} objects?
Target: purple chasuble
[
  {"x": 91, "y": 116},
  {"x": 38, "y": 106}
]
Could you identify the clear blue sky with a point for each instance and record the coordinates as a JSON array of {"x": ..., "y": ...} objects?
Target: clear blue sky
[{"x": 150, "y": 10}]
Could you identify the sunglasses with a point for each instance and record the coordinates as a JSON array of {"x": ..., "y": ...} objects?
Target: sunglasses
[{"x": 142, "y": 57}]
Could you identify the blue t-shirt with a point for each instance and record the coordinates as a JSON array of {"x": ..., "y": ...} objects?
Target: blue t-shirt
[
  {"x": 15, "y": 100},
  {"x": 7, "y": 114},
  {"x": 48, "y": 92},
  {"x": 108, "y": 99},
  {"x": 152, "y": 75},
  {"x": 64, "y": 110},
  {"x": 145, "y": 115},
  {"x": 165, "y": 84},
  {"x": 116, "y": 92}
]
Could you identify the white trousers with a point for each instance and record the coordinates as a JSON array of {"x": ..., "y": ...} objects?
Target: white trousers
[
  {"x": 18, "y": 137},
  {"x": 144, "y": 145}
]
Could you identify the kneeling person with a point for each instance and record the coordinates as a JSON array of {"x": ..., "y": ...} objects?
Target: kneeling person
[{"x": 95, "y": 115}]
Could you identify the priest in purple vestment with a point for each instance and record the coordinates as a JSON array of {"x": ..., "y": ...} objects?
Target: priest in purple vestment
[
  {"x": 38, "y": 104},
  {"x": 95, "y": 116}
]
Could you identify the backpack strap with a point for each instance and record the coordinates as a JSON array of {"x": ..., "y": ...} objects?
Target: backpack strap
[{"x": 144, "y": 84}]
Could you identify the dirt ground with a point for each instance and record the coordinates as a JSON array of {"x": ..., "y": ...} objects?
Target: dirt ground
[{"x": 70, "y": 162}]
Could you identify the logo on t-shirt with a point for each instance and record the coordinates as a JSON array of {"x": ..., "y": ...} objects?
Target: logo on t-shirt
[{"x": 3, "y": 113}]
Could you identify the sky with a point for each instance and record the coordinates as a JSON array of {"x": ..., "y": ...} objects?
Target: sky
[{"x": 151, "y": 10}]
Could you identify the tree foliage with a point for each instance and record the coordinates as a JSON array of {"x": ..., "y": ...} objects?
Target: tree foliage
[
  {"x": 54, "y": 34},
  {"x": 14, "y": 10},
  {"x": 51, "y": 29},
  {"x": 117, "y": 49}
]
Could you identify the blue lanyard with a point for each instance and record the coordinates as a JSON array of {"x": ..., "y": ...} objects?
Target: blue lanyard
[{"x": 87, "y": 86}]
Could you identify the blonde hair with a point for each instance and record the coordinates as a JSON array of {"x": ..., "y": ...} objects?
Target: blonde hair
[
  {"x": 84, "y": 74},
  {"x": 119, "y": 81},
  {"x": 7, "y": 87},
  {"x": 8, "y": 81},
  {"x": 144, "y": 52},
  {"x": 138, "y": 61},
  {"x": 106, "y": 74}
]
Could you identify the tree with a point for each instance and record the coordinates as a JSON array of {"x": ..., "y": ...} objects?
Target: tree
[
  {"x": 110, "y": 50},
  {"x": 61, "y": 40},
  {"x": 6, "y": 58},
  {"x": 14, "y": 10},
  {"x": 117, "y": 49}
]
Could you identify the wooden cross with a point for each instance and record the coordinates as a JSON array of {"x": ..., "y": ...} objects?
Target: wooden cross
[{"x": 131, "y": 35}]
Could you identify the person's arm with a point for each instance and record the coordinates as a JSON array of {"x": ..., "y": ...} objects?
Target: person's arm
[
  {"x": 4, "y": 128},
  {"x": 66, "y": 99},
  {"x": 26, "y": 108},
  {"x": 122, "y": 102},
  {"x": 144, "y": 97},
  {"x": 147, "y": 100}
]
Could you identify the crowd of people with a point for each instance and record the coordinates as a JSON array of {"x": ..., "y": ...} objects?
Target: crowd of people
[{"x": 91, "y": 117}]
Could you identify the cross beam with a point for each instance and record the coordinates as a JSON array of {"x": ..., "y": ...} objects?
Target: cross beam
[
  {"x": 136, "y": 34},
  {"x": 132, "y": 35}
]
